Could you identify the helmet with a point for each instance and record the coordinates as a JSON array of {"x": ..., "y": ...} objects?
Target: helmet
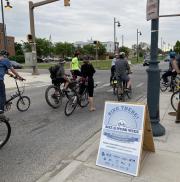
[
  {"x": 122, "y": 54},
  {"x": 4, "y": 53}
]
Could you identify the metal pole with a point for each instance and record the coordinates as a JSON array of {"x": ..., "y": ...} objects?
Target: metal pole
[
  {"x": 122, "y": 40},
  {"x": 114, "y": 35},
  {"x": 4, "y": 29},
  {"x": 153, "y": 82},
  {"x": 137, "y": 47},
  {"x": 33, "y": 44}
]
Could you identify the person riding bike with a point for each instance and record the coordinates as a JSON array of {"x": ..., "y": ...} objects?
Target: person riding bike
[
  {"x": 5, "y": 66},
  {"x": 75, "y": 68},
  {"x": 122, "y": 70},
  {"x": 58, "y": 75},
  {"x": 171, "y": 71},
  {"x": 113, "y": 67}
]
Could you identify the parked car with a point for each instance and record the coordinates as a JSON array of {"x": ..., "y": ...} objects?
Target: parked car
[
  {"x": 16, "y": 65},
  {"x": 146, "y": 60}
]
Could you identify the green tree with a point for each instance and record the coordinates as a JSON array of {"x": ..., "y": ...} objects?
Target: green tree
[
  {"x": 18, "y": 48},
  {"x": 124, "y": 49},
  {"x": 64, "y": 49},
  {"x": 177, "y": 47},
  {"x": 89, "y": 50}
]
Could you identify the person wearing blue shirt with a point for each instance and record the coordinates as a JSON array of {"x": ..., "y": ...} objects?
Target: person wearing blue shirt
[{"x": 5, "y": 66}]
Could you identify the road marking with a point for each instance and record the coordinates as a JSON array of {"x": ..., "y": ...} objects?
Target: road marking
[
  {"x": 102, "y": 86},
  {"x": 139, "y": 85},
  {"x": 110, "y": 90}
]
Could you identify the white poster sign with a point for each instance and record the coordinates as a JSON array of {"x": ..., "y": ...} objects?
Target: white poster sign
[
  {"x": 121, "y": 138},
  {"x": 152, "y": 9}
]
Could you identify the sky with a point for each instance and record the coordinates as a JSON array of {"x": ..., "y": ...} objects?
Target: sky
[{"x": 86, "y": 19}]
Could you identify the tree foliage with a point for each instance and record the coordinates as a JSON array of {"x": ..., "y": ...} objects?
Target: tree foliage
[{"x": 177, "y": 47}]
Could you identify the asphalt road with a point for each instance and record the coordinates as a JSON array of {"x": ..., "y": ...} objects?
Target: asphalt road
[{"x": 43, "y": 137}]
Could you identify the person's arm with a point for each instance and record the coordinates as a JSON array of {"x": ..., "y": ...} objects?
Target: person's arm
[{"x": 16, "y": 73}]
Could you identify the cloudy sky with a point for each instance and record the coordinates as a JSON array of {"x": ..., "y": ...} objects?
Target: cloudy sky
[{"x": 86, "y": 19}]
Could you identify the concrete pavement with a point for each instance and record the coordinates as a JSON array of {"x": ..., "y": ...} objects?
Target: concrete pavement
[{"x": 161, "y": 166}]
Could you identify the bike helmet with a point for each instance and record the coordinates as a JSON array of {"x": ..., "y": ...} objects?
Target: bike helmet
[
  {"x": 4, "y": 53},
  {"x": 122, "y": 54}
]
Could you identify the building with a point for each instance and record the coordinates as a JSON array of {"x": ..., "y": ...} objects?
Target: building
[
  {"x": 10, "y": 42},
  {"x": 109, "y": 45}
]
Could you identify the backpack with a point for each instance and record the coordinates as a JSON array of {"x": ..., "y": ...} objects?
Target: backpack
[{"x": 53, "y": 70}]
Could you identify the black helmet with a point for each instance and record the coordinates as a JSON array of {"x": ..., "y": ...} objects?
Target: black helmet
[{"x": 4, "y": 53}]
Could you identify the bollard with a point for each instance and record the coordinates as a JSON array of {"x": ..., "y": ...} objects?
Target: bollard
[{"x": 178, "y": 114}]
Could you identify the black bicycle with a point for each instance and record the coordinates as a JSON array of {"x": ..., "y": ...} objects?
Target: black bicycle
[
  {"x": 5, "y": 130},
  {"x": 23, "y": 102},
  {"x": 77, "y": 97}
]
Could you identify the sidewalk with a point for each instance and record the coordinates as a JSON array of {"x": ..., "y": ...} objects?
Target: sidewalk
[
  {"x": 42, "y": 79},
  {"x": 161, "y": 166}
]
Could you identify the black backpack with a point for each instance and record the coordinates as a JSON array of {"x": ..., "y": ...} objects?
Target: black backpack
[{"x": 53, "y": 71}]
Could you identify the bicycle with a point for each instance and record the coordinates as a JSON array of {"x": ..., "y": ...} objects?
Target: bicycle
[
  {"x": 176, "y": 95},
  {"x": 5, "y": 130},
  {"x": 114, "y": 84},
  {"x": 54, "y": 94},
  {"x": 172, "y": 84},
  {"x": 77, "y": 99},
  {"x": 23, "y": 102}
]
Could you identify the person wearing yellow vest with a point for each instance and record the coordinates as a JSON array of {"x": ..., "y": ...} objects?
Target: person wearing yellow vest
[{"x": 75, "y": 70}]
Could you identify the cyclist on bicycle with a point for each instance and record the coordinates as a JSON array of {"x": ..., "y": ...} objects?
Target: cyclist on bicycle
[
  {"x": 171, "y": 71},
  {"x": 5, "y": 66},
  {"x": 58, "y": 75},
  {"x": 75, "y": 69},
  {"x": 122, "y": 69}
]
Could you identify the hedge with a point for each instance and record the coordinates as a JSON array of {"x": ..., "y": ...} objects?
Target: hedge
[{"x": 18, "y": 58}]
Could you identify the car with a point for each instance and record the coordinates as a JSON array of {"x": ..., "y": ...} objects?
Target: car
[
  {"x": 146, "y": 60},
  {"x": 16, "y": 65}
]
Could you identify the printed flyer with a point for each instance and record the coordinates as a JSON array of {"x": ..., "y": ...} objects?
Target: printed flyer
[{"x": 121, "y": 137}]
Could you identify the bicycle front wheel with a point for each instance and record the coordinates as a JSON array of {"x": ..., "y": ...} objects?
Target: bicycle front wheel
[
  {"x": 5, "y": 132},
  {"x": 53, "y": 96},
  {"x": 71, "y": 105},
  {"x": 175, "y": 100},
  {"x": 23, "y": 103},
  {"x": 120, "y": 93},
  {"x": 84, "y": 99}
]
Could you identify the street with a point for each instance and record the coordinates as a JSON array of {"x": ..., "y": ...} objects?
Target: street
[{"x": 43, "y": 138}]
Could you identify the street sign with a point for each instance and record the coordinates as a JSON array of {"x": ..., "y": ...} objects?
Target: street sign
[
  {"x": 126, "y": 131},
  {"x": 152, "y": 9},
  {"x": 30, "y": 59}
]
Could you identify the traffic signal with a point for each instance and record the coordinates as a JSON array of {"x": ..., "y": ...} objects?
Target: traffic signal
[
  {"x": 29, "y": 38},
  {"x": 66, "y": 2}
]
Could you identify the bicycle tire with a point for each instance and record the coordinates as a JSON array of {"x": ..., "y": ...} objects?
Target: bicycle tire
[
  {"x": 84, "y": 99},
  {"x": 53, "y": 102},
  {"x": 129, "y": 93},
  {"x": 163, "y": 86},
  {"x": 7, "y": 135},
  {"x": 120, "y": 95},
  {"x": 23, "y": 100},
  {"x": 114, "y": 89},
  {"x": 72, "y": 104},
  {"x": 175, "y": 100}
]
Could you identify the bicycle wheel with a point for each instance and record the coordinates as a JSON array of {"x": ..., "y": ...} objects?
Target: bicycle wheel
[
  {"x": 129, "y": 93},
  {"x": 84, "y": 99},
  {"x": 71, "y": 105},
  {"x": 53, "y": 96},
  {"x": 163, "y": 86},
  {"x": 23, "y": 103},
  {"x": 120, "y": 94},
  {"x": 175, "y": 100},
  {"x": 5, "y": 132}
]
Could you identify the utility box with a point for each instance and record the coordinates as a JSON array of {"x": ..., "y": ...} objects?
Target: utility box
[{"x": 30, "y": 59}]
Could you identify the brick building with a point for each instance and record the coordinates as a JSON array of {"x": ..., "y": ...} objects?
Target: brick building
[{"x": 10, "y": 42}]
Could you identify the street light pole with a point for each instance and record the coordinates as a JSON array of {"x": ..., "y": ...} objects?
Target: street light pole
[
  {"x": 118, "y": 24},
  {"x": 4, "y": 28},
  {"x": 153, "y": 81},
  {"x": 137, "y": 49}
]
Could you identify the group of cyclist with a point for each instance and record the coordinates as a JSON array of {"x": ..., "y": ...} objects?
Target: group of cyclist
[
  {"x": 85, "y": 72},
  {"x": 120, "y": 70},
  {"x": 5, "y": 68}
]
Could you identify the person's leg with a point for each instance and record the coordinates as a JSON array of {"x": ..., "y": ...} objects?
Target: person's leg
[
  {"x": 2, "y": 95},
  {"x": 91, "y": 93},
  {"x": 165, "y": 76}
]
